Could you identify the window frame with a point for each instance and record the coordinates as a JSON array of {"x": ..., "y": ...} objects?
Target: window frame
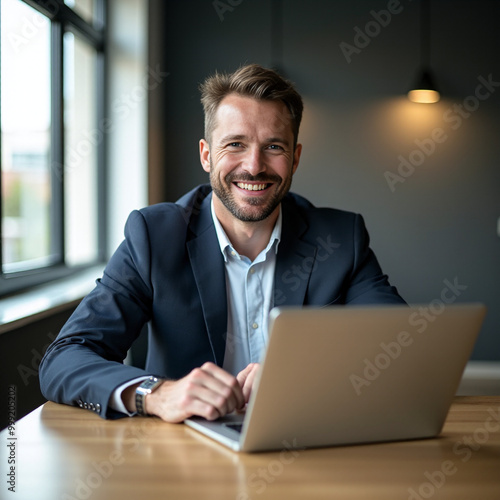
[{"x": 63, "y": 19}]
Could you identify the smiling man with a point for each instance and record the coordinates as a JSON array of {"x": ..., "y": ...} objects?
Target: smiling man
[{"x": 204, "y": 272}]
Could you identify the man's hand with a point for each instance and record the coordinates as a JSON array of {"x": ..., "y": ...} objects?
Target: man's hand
[
  {"x": 246, "y": 379},
  {"x": 208, "y": 391}
]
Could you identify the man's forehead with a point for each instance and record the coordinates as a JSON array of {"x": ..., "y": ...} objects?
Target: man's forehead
[
  {"x": 237, "y": 101},
  {"x": 234, "y": 107}
]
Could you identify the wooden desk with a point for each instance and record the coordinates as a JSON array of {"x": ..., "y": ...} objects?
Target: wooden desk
[{"x": 65, "y": 453}]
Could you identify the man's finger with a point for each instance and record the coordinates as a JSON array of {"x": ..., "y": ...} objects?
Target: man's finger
[
  {"x": 246, "y": 379},
  {"x": 223, "y": 383}
]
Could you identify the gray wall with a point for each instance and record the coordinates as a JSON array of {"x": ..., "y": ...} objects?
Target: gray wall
[{"x": 441, "y": 222}]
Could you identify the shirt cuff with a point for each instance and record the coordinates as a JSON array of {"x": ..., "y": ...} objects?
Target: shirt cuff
[{"x": 116, "y": 401}]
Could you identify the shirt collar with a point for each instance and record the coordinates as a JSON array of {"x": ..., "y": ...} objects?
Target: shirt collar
[{"x": 224, "y": 242}]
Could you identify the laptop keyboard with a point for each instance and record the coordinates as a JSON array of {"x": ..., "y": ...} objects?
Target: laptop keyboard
[{"x": 235, "y": 426}]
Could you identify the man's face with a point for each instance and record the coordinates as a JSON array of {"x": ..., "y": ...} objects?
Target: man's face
[{"x": 250, "y": 158}]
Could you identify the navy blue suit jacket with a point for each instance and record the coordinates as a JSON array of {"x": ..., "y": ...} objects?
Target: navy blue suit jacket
[{"x": 169, "y": 272}]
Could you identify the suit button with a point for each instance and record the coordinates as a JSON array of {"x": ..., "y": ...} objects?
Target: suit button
[
  {"x": 80, "y": 403},
  {"x": 98, "y": 408}
]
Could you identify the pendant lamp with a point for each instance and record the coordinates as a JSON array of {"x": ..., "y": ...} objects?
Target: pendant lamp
[{"x": 424, "y": 89}]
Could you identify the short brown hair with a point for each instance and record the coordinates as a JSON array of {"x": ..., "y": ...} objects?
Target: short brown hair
[{"x": 250, "y": 81}]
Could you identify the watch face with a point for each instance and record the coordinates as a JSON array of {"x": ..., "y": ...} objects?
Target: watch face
[
  {"x": 148, "y": 384},
  {"x": 145, "y": 388}
]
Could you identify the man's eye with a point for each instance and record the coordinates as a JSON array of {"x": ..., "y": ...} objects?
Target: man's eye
[
  {"x": 275, "y": 147},
  {"x": 234, "y": 144}
]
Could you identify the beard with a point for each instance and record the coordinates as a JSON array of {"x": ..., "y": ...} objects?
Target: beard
[{"x": 253, "y": 209}]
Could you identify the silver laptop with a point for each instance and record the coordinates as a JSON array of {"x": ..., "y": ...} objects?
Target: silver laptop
[{"x": 346, "y": 375}]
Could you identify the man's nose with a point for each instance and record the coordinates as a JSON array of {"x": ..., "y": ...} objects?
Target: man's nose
[{"x": 254, "y": 161}]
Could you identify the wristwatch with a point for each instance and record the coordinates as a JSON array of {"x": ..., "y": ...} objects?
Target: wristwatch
[{"x": 147, "y": 387}]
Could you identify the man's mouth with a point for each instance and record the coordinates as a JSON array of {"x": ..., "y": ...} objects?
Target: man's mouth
[{"x": 252, "y": 187}]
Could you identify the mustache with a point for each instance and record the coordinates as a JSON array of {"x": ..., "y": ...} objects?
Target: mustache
[{"x": 246, "y": 177}]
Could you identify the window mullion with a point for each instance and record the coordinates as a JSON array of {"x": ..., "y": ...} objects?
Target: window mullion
[
  {"x": 57, "y": 143},
  {"x": 102, "y": 177}
]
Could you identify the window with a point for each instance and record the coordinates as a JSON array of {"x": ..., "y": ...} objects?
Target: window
[{"x": 51, "y": 162}]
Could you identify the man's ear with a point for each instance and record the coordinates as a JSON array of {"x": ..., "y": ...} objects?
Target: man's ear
[
  {"x": 205, "y": 155},
  {"x": 296, "y": 157}
]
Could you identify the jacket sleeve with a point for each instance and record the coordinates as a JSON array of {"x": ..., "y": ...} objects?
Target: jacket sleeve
[
  {"x": 368, "y": 285},
  {"x": 84, "y": 364}
]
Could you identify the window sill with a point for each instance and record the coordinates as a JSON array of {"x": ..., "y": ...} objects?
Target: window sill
[
  {"x": 480, "y": 378},
  {"x": 41, "y": 301}
]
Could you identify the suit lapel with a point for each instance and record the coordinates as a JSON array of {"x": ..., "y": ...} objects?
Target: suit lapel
[
  {"x": 295, "y": 260},
  {"x": 208, "y": 268}
]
